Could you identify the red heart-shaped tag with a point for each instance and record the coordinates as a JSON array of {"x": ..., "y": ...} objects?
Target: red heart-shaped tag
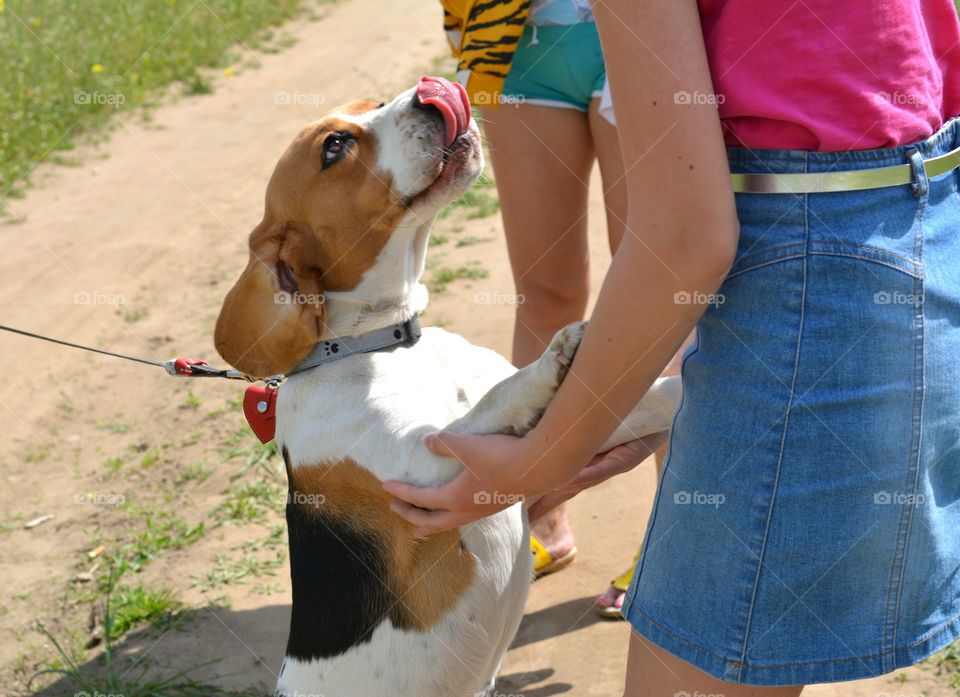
[{"x": 260, "y": 408}]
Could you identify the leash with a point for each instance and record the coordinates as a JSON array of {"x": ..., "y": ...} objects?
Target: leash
[
  {"x": 260, "y": 401},
  {"x": 177, "y": 367}
]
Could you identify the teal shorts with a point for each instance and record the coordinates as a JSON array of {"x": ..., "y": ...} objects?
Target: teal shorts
[{"x": 556, "y": 65}]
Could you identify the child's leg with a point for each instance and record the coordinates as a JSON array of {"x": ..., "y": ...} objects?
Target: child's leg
[
  {"x": 606, "y": 145},
  {"x": 652, "y": 672},
  {"x": 541, "y": 160}
]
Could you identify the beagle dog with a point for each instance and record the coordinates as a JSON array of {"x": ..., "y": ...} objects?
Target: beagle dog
[{"x": 338, "y": 257}]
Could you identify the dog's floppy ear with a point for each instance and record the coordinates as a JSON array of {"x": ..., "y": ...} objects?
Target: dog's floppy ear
[{"x": 274, "y": 314}]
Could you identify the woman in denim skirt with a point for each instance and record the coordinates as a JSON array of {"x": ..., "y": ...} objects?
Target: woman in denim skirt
[{"x": 793, "y": 181}]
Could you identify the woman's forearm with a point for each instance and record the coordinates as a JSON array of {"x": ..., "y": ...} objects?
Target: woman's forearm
[{"x": 681, "y": 232}]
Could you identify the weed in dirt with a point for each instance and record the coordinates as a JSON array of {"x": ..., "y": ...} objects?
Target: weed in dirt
[
  {"x": 947, "y": 663},
  {"x": 132, "y": 314},
  {"x": 250, "y": 503},
  {"x": 149, "y": 459},
  {"x": 442, "y": 276},
  {"x": 113, "y": 426},
  {"x": 215, "y": 414},
  {"x": 254, "y": 567},
  {"x": 39, "y": 454},
  {"x": 257, "y": 455},
  {"x": 197, "y": 84},
  {"x": 227, "y": 571},
  {"x": 114, "y": 675},
  {"x": 191, "y": 401},
  {"x": 276, "y": 537},
  {"x": 133, "y": 606},
  {"x": 113, "y": 463},
  {"x": 192, "y": 438},
  {"x": 480, "y": 201},
  {"x": 471, "y": 240},
  {"x": 161, "y": 531},
  {"x": 193, "y": 472},
  {"x": 66, "y": 404},
  {"x": 267, "y": 589}
]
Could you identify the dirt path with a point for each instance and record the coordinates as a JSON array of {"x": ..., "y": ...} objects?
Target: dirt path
[{"x": 158, "y": 220}]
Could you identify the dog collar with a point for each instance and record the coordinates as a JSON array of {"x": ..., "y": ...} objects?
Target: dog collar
[{"x": 330, "y": 350}]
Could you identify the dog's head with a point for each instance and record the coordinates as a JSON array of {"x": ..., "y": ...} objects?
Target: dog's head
[{"x": 349, "y": 203}]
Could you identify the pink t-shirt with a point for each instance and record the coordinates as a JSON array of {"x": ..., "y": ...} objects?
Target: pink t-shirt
[{"x": 832, "y": 75}]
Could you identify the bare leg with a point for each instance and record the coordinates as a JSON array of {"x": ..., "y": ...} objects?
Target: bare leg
[
  {"x": 606, "y": 144},
  {"x": 546, "y": 228},
  {"x": 652, "y": 672}
]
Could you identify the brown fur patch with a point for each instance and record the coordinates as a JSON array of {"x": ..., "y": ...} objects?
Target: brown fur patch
[
  {"x": 425, "y": 577},
  {"x": 328, "y": 224}
]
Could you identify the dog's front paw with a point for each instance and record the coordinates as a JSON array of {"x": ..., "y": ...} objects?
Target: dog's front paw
[
  {"x": 515, "y": 405},
  {"x": 556, "y": 360}
]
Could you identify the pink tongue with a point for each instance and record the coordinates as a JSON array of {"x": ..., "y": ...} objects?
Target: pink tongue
[{"x": 451, "y": 100}]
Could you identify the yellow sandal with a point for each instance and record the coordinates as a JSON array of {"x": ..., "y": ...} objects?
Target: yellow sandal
[
  {"x": 620, "y": 583},
  {"x": 543, "y": 561}
]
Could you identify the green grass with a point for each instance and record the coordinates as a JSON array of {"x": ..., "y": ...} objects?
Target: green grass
[
  {"x": 193, "y": 472},
  {"x": 471, "y": 240},
  {"x": 112, "y": 426},
  {"x": 161, "y": 531},
  {"x": 480, "y": 201},
  {"x": 133, "y": 606},
  {"x": 227, "y": 571},
  {"x": 67, "y": 67},
  {"x": 129, "y": 677},
  {"x": 947, "y": 663},
  {"x": 442, "y": 276},
  {"x": 132, "y": 314},
  {"x": 276, "y": 537},
  {"x": 250, "y": 502},
  {"x": 191, "y": 401},
  {"x": 113, "y": 463}
]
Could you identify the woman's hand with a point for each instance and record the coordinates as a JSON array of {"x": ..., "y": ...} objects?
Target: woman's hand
[
  {"x": 618, "y": 460},
  {"x": 497, "y": 472}
]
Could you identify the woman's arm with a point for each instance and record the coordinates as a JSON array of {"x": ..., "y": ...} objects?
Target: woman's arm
[
  {"x": 681, "y": 237},
  {"x": 682, "y": 227}
]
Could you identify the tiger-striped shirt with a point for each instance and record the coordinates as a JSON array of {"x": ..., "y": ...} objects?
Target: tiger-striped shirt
[{"x": 483, "y": 35}]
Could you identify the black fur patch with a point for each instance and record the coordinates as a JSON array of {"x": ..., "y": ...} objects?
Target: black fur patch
[{"x": 339, "y": 577}]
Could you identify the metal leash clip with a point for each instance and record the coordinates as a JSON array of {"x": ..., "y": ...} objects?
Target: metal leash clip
[{"x": 196, "y": 368}]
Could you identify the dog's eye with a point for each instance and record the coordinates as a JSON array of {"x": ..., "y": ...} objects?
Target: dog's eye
[
  {"x": 335, "y": 147},
  {"x": 381, "y": 105}
]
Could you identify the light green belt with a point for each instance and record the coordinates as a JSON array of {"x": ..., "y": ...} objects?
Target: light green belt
[{"x": 856, "y": 180}]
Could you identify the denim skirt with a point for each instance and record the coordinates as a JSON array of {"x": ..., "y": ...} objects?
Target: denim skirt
[{"x": 806, "y": 526}]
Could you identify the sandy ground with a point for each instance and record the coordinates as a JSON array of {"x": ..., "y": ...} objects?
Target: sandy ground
[{"x": 158, "y": 218}]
